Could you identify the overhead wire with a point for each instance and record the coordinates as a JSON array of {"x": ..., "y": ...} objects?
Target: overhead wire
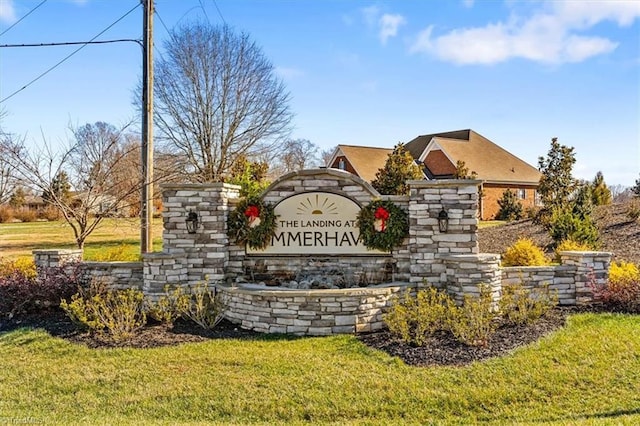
[
  {"x": 219, "y": 13},
  {"x": 20, "y": 20},
  {"x": 69, "y": 55}
]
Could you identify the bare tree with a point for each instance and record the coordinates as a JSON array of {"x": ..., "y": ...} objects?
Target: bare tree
[
  {"x": 295, "y": 154},
  {"x": 326, "y": 155},
  {"x": 90, "y": 165},
  {"x": 217, "y": 98},
  {"x": 8, "y": 182}
]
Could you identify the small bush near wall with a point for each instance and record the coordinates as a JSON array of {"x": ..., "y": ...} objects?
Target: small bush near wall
[
  {"x": 473, "y": 323},
  {"x": 115, "y": 314},
  {"x": 570, "y": 245},
  {"x": 524, "y": 253},
  {"x": 417, "y": 318},
  {"x": 622, "y": 291},
  {"x": 520, "y": 306},
  {"x": 21, "y": 291}
]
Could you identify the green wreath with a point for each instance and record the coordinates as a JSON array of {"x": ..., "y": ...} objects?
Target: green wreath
[
  {"x": 253, "y": 222},
  {"x": 383, "y": 225}
]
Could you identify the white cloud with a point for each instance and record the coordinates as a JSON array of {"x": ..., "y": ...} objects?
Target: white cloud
[
  {"x": 548, "y": 36},
  {"x": 386, "y": 25},
  {"x": 389, "y": 25},
  {"x": 468, "y": 3},
  {"x": 7, "y": 12}
]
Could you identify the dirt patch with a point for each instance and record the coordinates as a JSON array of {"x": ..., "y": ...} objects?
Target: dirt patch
[{"x": 618, "y": 234}]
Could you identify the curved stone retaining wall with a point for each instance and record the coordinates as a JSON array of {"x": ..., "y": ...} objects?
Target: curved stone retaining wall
[{"x": 308, "y": 312}]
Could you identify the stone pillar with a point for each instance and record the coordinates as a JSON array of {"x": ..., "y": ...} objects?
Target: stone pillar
[
  {"x": 427, "y": 245},
  {"x": 465, "y": 274},
  {"x": 56, "y": 258},
  {"x": 205, "y": 253},
  {"x": 591, "y": 269}
]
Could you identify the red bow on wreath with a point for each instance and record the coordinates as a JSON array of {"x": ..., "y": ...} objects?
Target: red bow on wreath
[
  {"x": 253, "y": 213},
  {"x": 381, "y": 216}
]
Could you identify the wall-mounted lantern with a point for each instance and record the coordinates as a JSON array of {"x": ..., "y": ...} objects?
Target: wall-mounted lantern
[
  {"x": 193, "y": 222},
  {"x": 443, "y": 221}
]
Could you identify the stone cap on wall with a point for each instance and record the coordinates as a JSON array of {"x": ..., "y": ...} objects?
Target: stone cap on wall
[
  {"x": 198, "y": 186},
  {"x": 336, "y": 173},
  {"x": 443, "y": 183}
]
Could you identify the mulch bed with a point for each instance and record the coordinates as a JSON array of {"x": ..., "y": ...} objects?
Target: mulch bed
[{"x": 442, "y": 350}]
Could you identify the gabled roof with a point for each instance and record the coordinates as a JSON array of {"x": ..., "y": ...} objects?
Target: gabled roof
[
  {"x": 364, "y": 159},
  {"x": 480, "y": 155}
]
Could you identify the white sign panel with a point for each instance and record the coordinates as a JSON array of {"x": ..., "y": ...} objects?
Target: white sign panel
[{"x": 316, "y": 223}]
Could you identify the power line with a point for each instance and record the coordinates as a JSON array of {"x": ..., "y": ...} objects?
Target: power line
[
  {"x": 219, "y": 13},
  {"x": 69, "y": 55},
  {"x": 204, "y": 11},
  {"x": 155, "y": 10},
  {"x": 71, "y": 43},
  {"x": 20, "y": 20}
]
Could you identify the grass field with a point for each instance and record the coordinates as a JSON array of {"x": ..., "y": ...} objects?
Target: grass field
[
  {"x": 587, "y": 373},
  {"x": 121, "y": 235}
]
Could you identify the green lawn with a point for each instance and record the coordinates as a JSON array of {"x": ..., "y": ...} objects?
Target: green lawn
[
  {"x": 122, "y": 235},
  {"x": 587, "y": 373}
]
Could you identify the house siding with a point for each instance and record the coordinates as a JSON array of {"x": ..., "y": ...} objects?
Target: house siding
[
  {"x": 439, "y": 164},
  {"x": 491, "y": 193},
  {"x": 347, "y": 165}
]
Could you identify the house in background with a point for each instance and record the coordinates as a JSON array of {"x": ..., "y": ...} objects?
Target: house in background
[
  {"x": 438, "y": 155},
  {"x": 361, "y": 161}
]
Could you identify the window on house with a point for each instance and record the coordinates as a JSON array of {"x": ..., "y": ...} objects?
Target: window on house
[
  {"x": 341, "y": 164},
  {"x": 522, "y": 193},
  {"x": 538, "y": 199}
]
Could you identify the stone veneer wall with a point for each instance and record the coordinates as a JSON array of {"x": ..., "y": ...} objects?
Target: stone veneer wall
[
  {"x": 465, "y": 274},
  {"x": 118, "y": 275},
  {"x": 364, "y": 269},
  {"x": 309, "y": 312},
  {"x": 427, "y": 245}
]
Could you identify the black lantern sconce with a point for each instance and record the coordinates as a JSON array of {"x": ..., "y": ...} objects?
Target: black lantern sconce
[
  {"x": 443, "y": 221},
  {"x": 193, "y": 222}
]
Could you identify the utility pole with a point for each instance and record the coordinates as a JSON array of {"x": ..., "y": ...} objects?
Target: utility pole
[{"x": 146, "y": 211}]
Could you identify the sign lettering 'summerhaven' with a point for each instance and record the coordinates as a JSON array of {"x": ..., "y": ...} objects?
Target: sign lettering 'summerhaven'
[{"x": 316, "y": 223}]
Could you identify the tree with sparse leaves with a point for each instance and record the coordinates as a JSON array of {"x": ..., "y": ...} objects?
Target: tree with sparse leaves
[
  {"x": 566, "y": 213},
  {"x": 250, "y": 175},
  {"x": 600, "y": 193},
  {"x": 462, "y": 171},
  {"x": 636, "y": 188},
  {"x": 510, "y": 206},
  {"x": 216, "y": 98},
  {"x": 18, "y": 198},
  {"x": 398, "y": 169},
  {"x": 557, "y": 184}
]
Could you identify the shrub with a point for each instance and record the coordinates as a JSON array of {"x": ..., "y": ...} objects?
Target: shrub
[
  {"x": 205, "y": 307},
  {"x": 519, "y": 306},
  {"x": 23, "y": 265},
  {"x": 622, "y": 292},
  {"x": 416, "y": 319},
  {"x": 523, "y": 253},
  {"x": 570, "y": 245},
  {"x": 49, "y": 213},
  {"x": 565, "y": 225},
  {"x": 120, "y": 253},
  {"x": 623, "y": 272},
  {"x": 633, "y": 211},
  {"x": 112, "y": 313},
  {"x": 6, "y": 214},
  {"x": 473, "y": 323},
  {"x": 170, "y": 306},
  {"x": 25, "y": 215},
  {"x": 510, "y": 207},
  {"x": 21, "y": 291}
]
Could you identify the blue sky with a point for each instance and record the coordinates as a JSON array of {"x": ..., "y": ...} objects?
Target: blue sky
[{"x": 365, "y": 73}]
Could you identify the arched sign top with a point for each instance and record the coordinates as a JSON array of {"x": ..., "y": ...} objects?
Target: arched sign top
[{"x": 316, "y": 223}]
